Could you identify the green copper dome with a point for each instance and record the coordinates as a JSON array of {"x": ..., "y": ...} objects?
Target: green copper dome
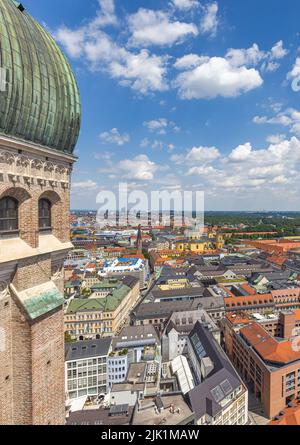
[{"x": 39, "y": 97}]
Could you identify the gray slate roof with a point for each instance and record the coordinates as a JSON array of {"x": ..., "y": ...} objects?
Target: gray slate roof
[{"x": 88, "y": 348}]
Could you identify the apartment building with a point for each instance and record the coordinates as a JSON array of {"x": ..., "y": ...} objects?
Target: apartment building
[
  {"x": 142, "y": 343},
  {"x": 117, "y": 367},
  {"x": 101, "y": 317},
  {"x": 219, "y": 396},
  {"x": 86, "y": 367},
  {"x": 175, "y": 336},
  {"x": 271, "y": 366}
]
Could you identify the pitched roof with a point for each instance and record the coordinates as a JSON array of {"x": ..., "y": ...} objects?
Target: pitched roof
[
  {"x": 290, "y": 416},
  {"x": 89, "y": 348},
  {"x": 202, "y": 397}
]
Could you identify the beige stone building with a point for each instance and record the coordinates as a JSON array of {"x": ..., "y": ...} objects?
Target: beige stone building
[{"x": 102, "y": 316}]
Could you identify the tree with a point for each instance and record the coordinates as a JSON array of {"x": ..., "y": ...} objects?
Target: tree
[{"x": 68, "y": 338}]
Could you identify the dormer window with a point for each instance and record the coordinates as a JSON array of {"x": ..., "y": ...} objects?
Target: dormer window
[{"x": 8, "y": 215}]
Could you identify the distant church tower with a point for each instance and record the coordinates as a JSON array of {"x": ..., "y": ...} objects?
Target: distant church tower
[
  {"x": 39, "y": 127},
  {"x": 139, "y": 240}
]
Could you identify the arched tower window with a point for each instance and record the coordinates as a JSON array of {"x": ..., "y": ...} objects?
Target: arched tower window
[
  {"x": 44, "y": 214},
  {"x": 8, "y": 215}
]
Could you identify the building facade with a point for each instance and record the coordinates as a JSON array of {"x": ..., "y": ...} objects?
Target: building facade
[
  {"x": 117, "y": 367},
  {"x": 219, "y": 396},
  {"x": 87, "y": 318},
  {"x": 271, "y": 366},
  {"x": 86, "y": 368},
  {"x": 37, "y": 136}
]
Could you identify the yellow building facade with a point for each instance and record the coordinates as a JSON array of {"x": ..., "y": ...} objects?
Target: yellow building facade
[{"x": 200, "y": 245}]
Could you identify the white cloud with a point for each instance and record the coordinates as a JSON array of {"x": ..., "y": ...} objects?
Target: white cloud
[
  {"x": 254, "y": 56},
  {"x": 295, "y": 72},
  {"x": 275, "y": 138},
  {"x": 185, "y": 4},
  {"x": 142, "y": 71},
  {"x": 271, "y": 66},
  {"x": 266, "y": 169},
  {"x": 241, "y": 153},
  {"x": 91, "y": 185},
  {"x": 203, "y": 171},
  {"x": 114, "y": 137},
  {"x": 157, "y": 125},
  {"x": 72, "y": 40},
  {"x": 209, "y": 23},
  {"x": 250, "y": 56},
  {"x": 217, "y": 77},
  {"x": 140, "y": 168},
  {"x": 288, "y": 118},
  {"x": 161, "y": 126},
  {"x": 278, "y": 51},
  {"x": 106, "y": 16},
  {"x": 150, "y": 27},
  {"x": 190, "y": 61},
  {"x": 203, "y": 154}
]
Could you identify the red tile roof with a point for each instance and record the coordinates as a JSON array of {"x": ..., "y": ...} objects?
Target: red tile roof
[
  {"x": 267, "y": 346},
  {"x": 290, "y": 417}
]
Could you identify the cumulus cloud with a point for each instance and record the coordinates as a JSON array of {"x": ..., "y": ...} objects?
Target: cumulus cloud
[
  {"x": 209, "y": 23},
  {"x": 253, "y": 56},
  {"x": 185, "y": 4},
  {"x": 150, "y": 27},
  {"x": 161, "y": 126},
  {"x": 106, "y": 15},
  {"x": 216, "y": 76},
  {"x": 90, "y": 185},
  {"x": 229, "y": 76},
  {"x": 275, "y": 138},
  {"x": 157, "y": 125},
  {"x": 190, "y": 61},
  {"x": 141, "y": 70},
  {"x": 250, "y": 56},
  {"x": 140, "y": 168},
  {"x": 114, "y": 137},
  {"x": 203, "y": 154},
  {"x": 275, "y": 166},
  {"x": 289, "y": 118},
  {"x": 278, "y": 51},
  {"x": 241, "y": 153}
]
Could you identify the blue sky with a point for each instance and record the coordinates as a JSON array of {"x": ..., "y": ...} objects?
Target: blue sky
[{"x": 185, "y": 95}]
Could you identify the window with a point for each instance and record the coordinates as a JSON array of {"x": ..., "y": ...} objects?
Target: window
[
  {"x": 8, "y": 215},
  {"x": 44, "y": 214}
]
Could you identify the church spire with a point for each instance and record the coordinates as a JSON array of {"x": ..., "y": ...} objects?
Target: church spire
[{"x": 139, "y": 240}]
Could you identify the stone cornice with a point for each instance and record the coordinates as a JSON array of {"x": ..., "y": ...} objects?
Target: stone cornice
[{"x": 35, "y": 149}]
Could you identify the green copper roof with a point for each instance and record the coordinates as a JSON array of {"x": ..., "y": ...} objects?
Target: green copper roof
[
  {"x": 40, "y": 102},
  {"x": 43, "y": 303},
  {"x": 109, "y": 303}
]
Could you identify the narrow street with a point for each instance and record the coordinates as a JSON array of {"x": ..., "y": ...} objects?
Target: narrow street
[{"x": 256, "y": 414}]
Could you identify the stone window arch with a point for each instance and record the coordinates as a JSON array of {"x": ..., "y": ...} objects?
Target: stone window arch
[
  {"x": 9, "y": 210},
  {"x": 24, "y": 213},
  {"x": 57, "y": 214},
  {"x": 45, "y": 211}
]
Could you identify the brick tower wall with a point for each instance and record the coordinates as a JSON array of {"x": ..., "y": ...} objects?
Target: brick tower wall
[{"x": 32, "y": 351}]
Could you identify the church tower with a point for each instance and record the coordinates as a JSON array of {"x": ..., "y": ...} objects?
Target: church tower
[
  {"x": 39, "y": 127},
  {"x": 139, "y": 241}
]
